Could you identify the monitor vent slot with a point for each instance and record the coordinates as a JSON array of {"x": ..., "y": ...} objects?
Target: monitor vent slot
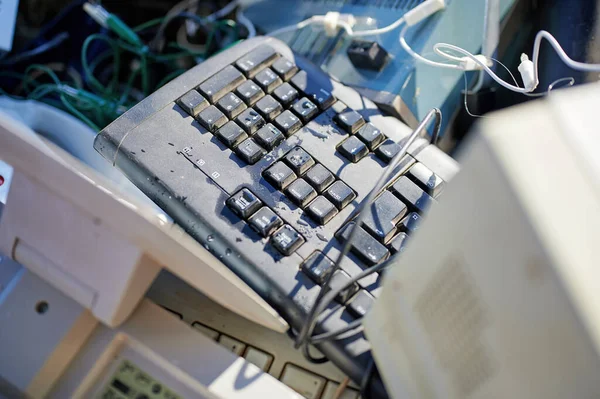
[{"x": 453, "y": 316}]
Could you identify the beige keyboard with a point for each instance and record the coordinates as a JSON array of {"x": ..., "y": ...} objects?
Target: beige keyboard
[{"x": 271, "y": 351}]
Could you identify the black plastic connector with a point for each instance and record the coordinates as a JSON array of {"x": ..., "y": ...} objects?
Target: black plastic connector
[{"x": 367, "y": 55}]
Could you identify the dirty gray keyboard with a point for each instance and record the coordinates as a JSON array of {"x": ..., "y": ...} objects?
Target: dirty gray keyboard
[{"x": 263, "y": 159}]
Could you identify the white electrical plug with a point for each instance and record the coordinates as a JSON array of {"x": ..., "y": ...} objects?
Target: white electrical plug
[
  {"x": 526, "y": 69},
  {"x": 333, "y": 20},
  {"x": 468, "y": 64}
]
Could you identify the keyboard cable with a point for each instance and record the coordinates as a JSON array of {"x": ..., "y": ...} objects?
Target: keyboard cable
[{"x": 326, "y": 296}]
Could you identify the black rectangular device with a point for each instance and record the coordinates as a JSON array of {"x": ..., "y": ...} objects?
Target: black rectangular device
[{"x": 263, "y": 159}]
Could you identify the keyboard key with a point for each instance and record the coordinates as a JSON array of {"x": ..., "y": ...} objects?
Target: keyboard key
[
  {"x": 370, "y": 135},
  {"x": 411, "y": 194},
  {"x": 192, "y": 102},
  {"x": 209, "y": 332},
  {"x": 269, "y": 136},
  {"x": 305, "y": 109},
  {"x": 265, "y": 221},
  {"x": 231, "y": 134},
  {"x": 411, "y": 223},
  {"x": 318, "y": 267},
  {"x": 398, "y": 243},
  {"x": 284, "y": 68},
  {"x": 426, "y": 179},
  {"x": 299, "y": 160},
  {"x": 367, "y": 248},
  {"x": 287, "y": 240},
  {"x": 338, "y": 279},
  {"x": 388, "y": 150},
  {"x": 339, "y": 107},
  {"x": 331, "y": 391},
  {"x": 288, "y": 123},
  {"x": 279, "y": 175},
  {"x": 353, "y": 149},
  {"x": 250, "y": 121},
  {"x": 221, "y": 83},
  {"x": 244, "y": 203},
  {"x": 232, "y": 344},
  {"x": 256, "y": 60},
  {"x": 319, "y": 177},
  {"x": 211, "y": 118},
  {"x": 304, "y": 382},
  {"x": 249, "y": 92},
  {"x": 340, "y": 194},
  {"x": 383, "y": 216},
  {"x": 268, "y": 107},
  {"x": 250, "y": 152},
  {"x": 260, "y": 359},
  {"x": 360, "y": 304},
  {"x": 285, "y": 94},
  {"x": 350, "y": 120},
  {"x": 231, "y": 105},
  {"x": 313, "y": 90},
  {"x": 268, "y": 80},
  {"x": 321, "y": 210},
  {"x": 300, "y": 192}
]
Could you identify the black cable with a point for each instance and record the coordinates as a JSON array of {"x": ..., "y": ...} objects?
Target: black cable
[
  {"x": 303, "y": 337},
  {"x": 332, "y": 294},
  {"x": 156, "y": 42},
  {"x": 311, "y": 358},
  {"x": 330, "y": 335},
  {"x": 44, "y": 47},
  {"x": 364, "y": 383}
]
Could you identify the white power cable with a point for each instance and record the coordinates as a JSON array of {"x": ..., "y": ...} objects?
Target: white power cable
[
  {"x": 334, "y": 20},
  {"x": 419, "y": 57},
  {"x": 379, "y": 31},
  {"x": 331, "y": 21},
  {"x": 317, "y": 19},
  {"x": 466, "y": 62},
  {"x": 440, "y": 47},
  {"x": 527, "y": 68}
]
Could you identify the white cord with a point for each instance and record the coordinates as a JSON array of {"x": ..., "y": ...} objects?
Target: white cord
[
  {"x": 242, "y": 19},
  {"x": 317, "y": 19},
  {"x": 334, "y": 20},
  {"x": 312, "y": 20},
  {"x": 379, "y": 31},
  {"x": 528, "y": 69},
  {"x": 461, "y": 65},
  {"x": 439, "y": 47}
]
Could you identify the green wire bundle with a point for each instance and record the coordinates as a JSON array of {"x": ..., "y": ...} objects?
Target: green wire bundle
[{"x": 104, "y": 102}]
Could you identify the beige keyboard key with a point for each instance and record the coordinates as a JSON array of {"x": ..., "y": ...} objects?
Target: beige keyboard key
[
  {"x": 304, "y": 382},
  {"x": 209, "y": 332},
  {"x": 259, "y": 358},
  {"x": 232, "y": 344},
  {"x": 330, "y": 388}
]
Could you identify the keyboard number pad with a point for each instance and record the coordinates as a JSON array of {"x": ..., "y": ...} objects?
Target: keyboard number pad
[{"x": 302, "y": 179}]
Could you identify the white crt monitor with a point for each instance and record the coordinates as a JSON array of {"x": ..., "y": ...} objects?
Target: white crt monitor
[{"x": 498, "y": 295}]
